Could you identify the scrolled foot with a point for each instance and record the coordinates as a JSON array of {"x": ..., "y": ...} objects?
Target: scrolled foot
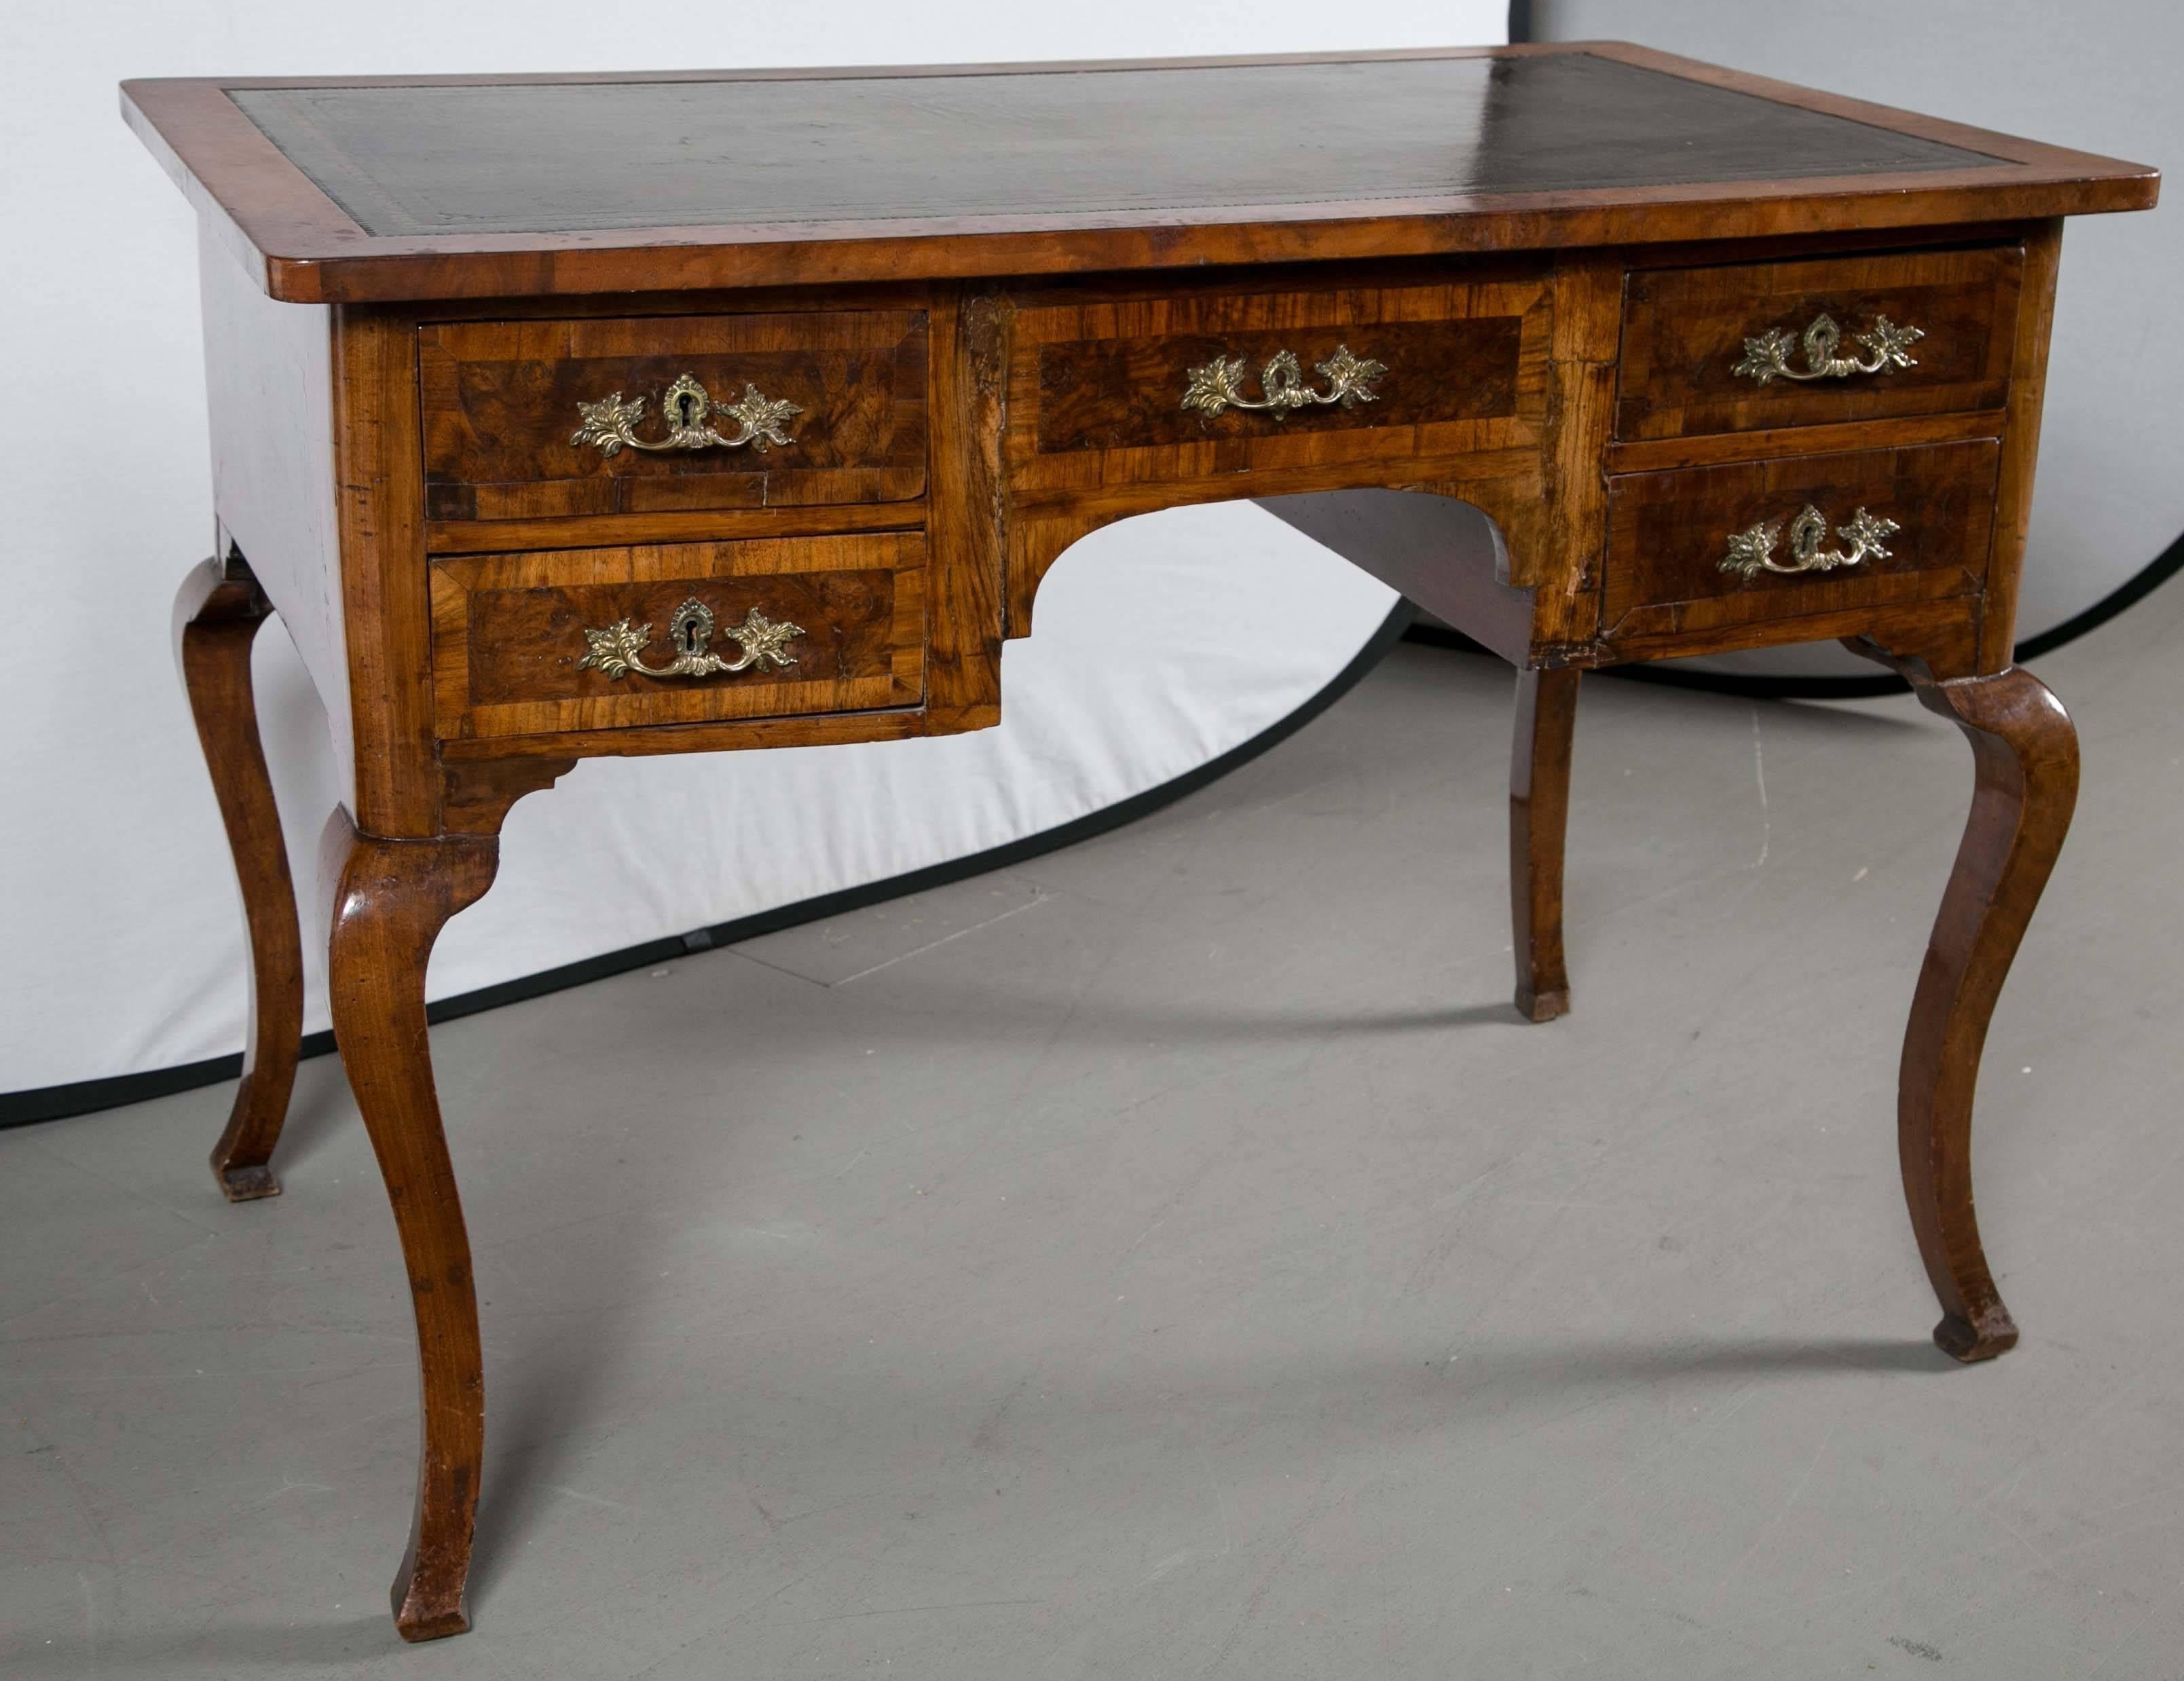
[
  {"x": 246, "y": 1183},
  {"x": 1542, "y": 1006},
  {"x": 422, "y": 1613},
  {"x": 1995, "y": 1334}
]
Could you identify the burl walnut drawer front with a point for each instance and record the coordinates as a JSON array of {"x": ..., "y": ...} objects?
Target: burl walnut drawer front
[
  {"x": 1756, "y": 345},
  {"x": 1113, "y": 390},
  {"x": 1707, "y": 547},
  {"x": 544, "y": 420},
  {"x": 601, "y": 638}
]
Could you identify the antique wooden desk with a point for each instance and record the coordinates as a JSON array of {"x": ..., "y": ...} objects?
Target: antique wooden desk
[{"x": 564, "y": 416}]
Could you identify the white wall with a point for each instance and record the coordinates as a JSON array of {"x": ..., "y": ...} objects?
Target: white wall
[
  {"x": 120, "y": 945},
  {"x": 2098, "y": 74}
]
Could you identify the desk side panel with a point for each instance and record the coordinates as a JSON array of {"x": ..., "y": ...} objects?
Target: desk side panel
[
  {"x": 268, "y": 384},
  {"x": 2028, "y": 391}
]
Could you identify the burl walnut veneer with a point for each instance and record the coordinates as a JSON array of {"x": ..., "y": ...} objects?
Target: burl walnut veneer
[{"x": 576, "y": 415}]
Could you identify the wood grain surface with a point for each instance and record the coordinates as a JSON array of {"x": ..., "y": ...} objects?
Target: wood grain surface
[
  {"x": 217, "y": 615},
  {"x": 509, "y": 632},
  {"x": 387, "y": 902},
  {"x": 1669, "y": 534},
  {"x": 1684, "y": 329},
  {"x": 2025, "y": 757},
  {"x": 1096, "y": 381},
  {"x": 1539, "y": 823},
  {"x": 500, "y": 405}
]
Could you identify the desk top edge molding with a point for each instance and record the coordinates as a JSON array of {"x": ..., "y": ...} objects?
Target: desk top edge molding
[{"x": 299, "y": 246}]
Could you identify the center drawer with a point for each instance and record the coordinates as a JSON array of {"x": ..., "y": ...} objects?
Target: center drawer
[
  {"x": 606, "y": 638},
  {"x": 1200, "y": 383}
]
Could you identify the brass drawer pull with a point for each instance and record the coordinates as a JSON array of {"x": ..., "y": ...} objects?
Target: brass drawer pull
[
  {"x": 1218, "y": 385},
  {"x": 610, "y": 423},
  {"x": 1767, "y": 356},
  {"x": 619, "y": 649},
  {"x": 1753, "y": 552}
]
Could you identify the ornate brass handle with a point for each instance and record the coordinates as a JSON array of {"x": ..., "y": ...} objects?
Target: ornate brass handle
[
  {"x": 619, "y": 649},
  {"x": 1767, "y": 356},
  {"x": 611, "y": 423},
  {"x": 1219, "y": 384},
  {"x": 1753, "y": 552}
]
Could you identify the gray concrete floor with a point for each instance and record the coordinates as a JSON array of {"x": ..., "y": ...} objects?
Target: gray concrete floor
[{"x": 1173, "y": 1258}]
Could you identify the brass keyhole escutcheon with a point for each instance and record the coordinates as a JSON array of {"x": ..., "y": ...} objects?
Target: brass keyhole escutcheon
[{"x": 691, "y": 629}]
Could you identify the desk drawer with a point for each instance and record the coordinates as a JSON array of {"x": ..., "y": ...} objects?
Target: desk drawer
[
  {"x": 1732, "y": 349},
  {"x": 1704, "y": 546},
  {"x": 590, "y": 639},
  {"x": 1120, "y": 390},
  {"x": 546, "y": 420}
]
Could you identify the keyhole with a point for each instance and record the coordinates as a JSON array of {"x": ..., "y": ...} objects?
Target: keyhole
[
  {"x": 686, "y": 633},
  {"x": 685, "y": 409},
  {"x": 1808, "y": 531}
]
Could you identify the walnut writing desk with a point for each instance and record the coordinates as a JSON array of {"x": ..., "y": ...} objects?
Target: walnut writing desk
[{"x": 564, "y": 416}]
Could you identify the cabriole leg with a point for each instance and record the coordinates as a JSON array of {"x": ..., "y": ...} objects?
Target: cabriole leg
[
  {"x": 390, "y": 899},
  {"x": 217, "y": 615},
  {"x": 1538, "y": 818},
  {"x": 2024, "y": 755}
]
